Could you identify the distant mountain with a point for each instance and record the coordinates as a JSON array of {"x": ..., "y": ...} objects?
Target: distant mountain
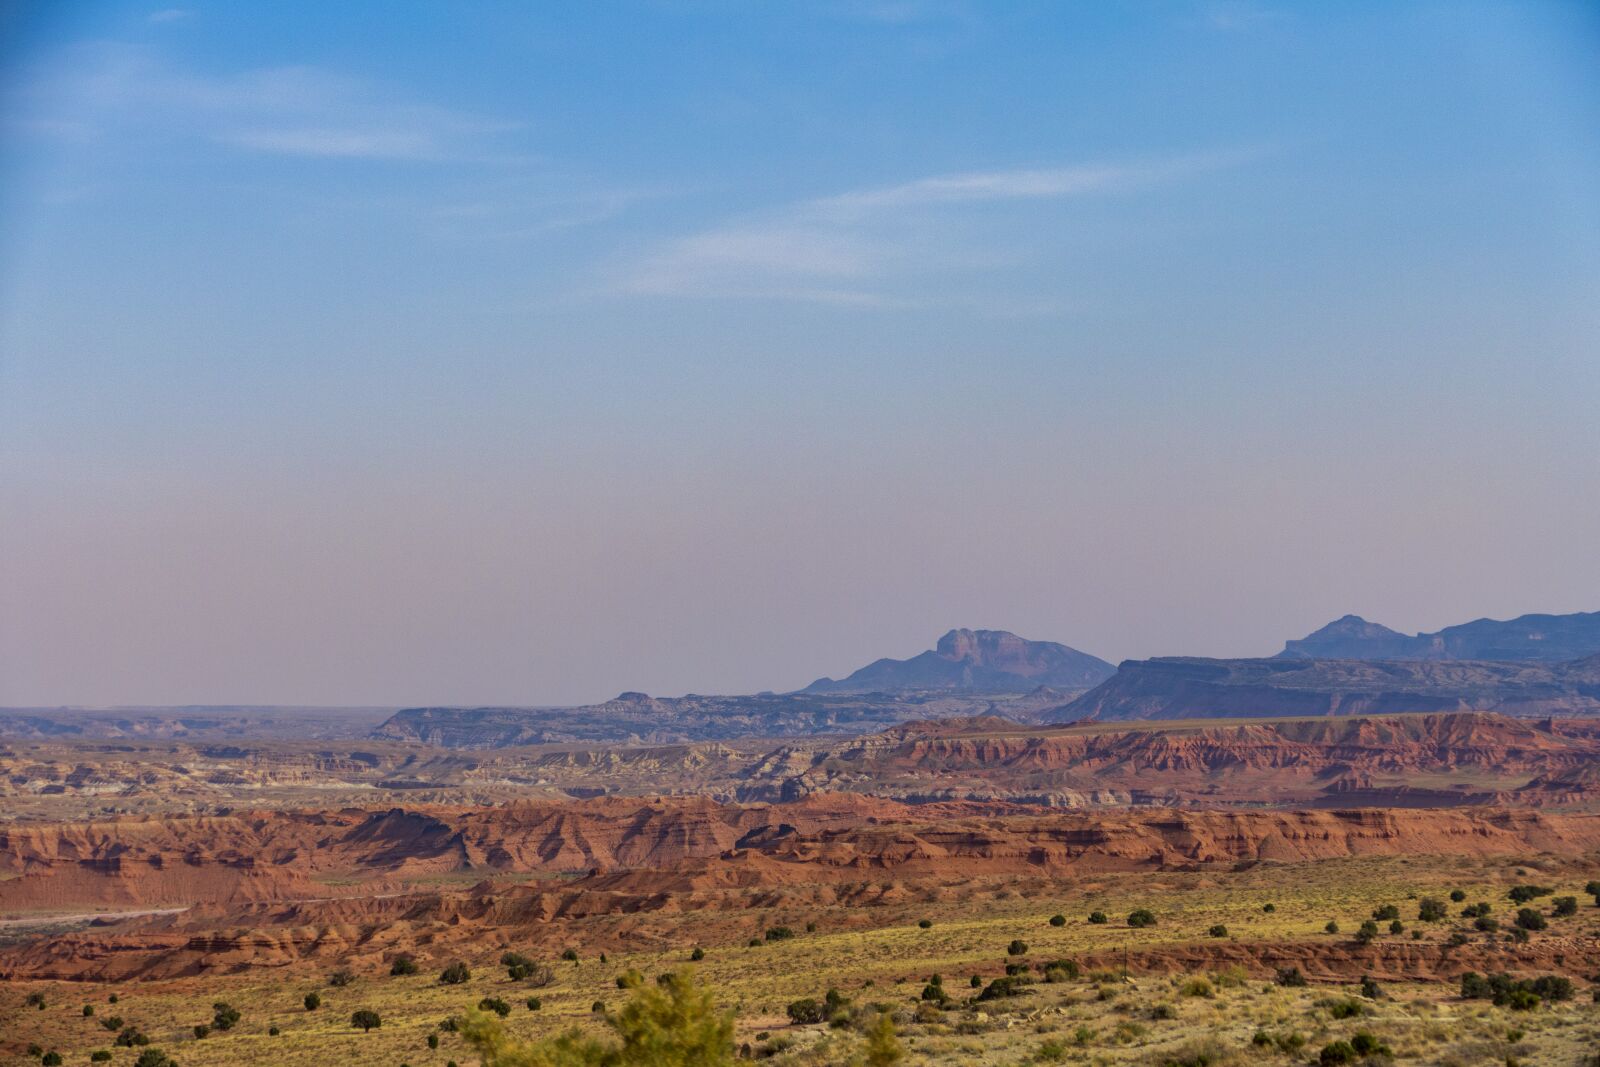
[
  {"x": 1183, "y": 688},
  {"x": 634, "y": 718},
  {"x": 1540, "y": 638},
  {"x": 984, "y": 661}
]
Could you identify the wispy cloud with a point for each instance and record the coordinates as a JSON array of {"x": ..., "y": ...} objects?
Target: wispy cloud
[
  {"x": 862, "y": 246},
  {"x": 520, "y": 213},
  {"x": 991, "y": 185},
  {"x": 294, "y": 110},
  {"x": 1239, "y": 15},
  {"x": 167, "y": 14}
]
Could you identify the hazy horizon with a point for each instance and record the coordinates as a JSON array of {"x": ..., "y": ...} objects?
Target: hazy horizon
[{"x": 463, "y": 354}]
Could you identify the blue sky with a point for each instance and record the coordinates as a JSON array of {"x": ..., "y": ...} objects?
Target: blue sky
[{"x": 405, "y": 353}]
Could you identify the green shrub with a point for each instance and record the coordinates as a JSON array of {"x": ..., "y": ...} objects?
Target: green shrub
[
  {"x": 402, "y": 965},
  {"x": 1202, "y": 1052},
  {"x": 154, "y": 1057},
  {"x": 1336, "y": 1052},
  {"x": 225, "y": 1016},
  {"x": 201, "y": 1030},
  {"x": 570, "y": 955},
  {"x": 672, "y": 1024},
  {"x": 1141, "y": 917},
  {"x": 100, "y": 1055},
  {"x": 534, "y": 1003},
  {"x": 1218, "y": 931},
  {"x": 455, "y": 974},
  {"x": 433, "y": 1041},
  {"x": 779, "y": 933},
  {"x": 1002, "y": 987},
  {"x": 365, "y": 1020},
  {"x": 1289, "y": 977},
  {"x": 1521, "y": 894},
  {"x": 1058, "y": 920},
  {"x": 1331, "y": 927},
  {"x": 1430, "y": 910},
  {"x": 1061, "y": 971},
  {"x": 1097, "y": 917},
  {"x": 1051, "y": 1052},
  {"x": 496, "y": 1005},
  {"x": 130, "y": 1037},
  {"x": 1370, "y": 988},
  {"x": 1564, "y": 906},
  {"x": 1017, "y": 948},
  {"x": 1269, "y": 908},
  {"x": 698, "y": 954},
  {"x": 1346, "y": 1009},
  {"x": 1528, "y": 919},
  {"x": 1520, "y": 994},
  {"x": 806, "y": 1011},
  {"x": 51, "y": 1059},
  {"x": 924, "y": 924},
  {"x": 1457, "y": 895},
  {"x": 1367, "y": 1045},
  {"x": 312, "y": 1001},
  {"x": 1387, "y": 913},
  {"x": 1196, "y": 987},
  {"x": 340, "y": 978},
  {"x": 88, "y": 1011},
  {"x": 1397, "y": 927}
]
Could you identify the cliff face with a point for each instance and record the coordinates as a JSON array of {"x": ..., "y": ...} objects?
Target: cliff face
[
  {"x": 1177, "y": 688},
  {"x": 1318, "y": 762},
  {"x": 976, "y": 660},
  {"x": 682, "y": 857},
  {"x": 1537, "y": 638}
]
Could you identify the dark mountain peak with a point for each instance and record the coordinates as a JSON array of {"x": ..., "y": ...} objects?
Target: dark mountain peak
[
  {"x": 990, "y": 661},
  {"x": 1355, "y": 625}
]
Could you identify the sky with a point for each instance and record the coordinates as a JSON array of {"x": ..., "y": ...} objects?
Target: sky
[{"x": 457, "y": 353}]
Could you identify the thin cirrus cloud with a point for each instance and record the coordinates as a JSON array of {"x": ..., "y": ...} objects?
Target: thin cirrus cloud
[
  {"x": 853, "y": 247},
  {"x": 112, "y": 88}
]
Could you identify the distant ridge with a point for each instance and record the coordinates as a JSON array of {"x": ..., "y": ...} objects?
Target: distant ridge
[
  {"x": 985, "y": 661},
  {"x": 1187, "y": 688},
  {"x": 1538, "y": 638}
]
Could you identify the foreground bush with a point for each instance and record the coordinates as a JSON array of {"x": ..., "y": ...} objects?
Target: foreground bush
[
  {"x": 671, "y": 1024},
  {"x": 1518, "y": 994}
]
